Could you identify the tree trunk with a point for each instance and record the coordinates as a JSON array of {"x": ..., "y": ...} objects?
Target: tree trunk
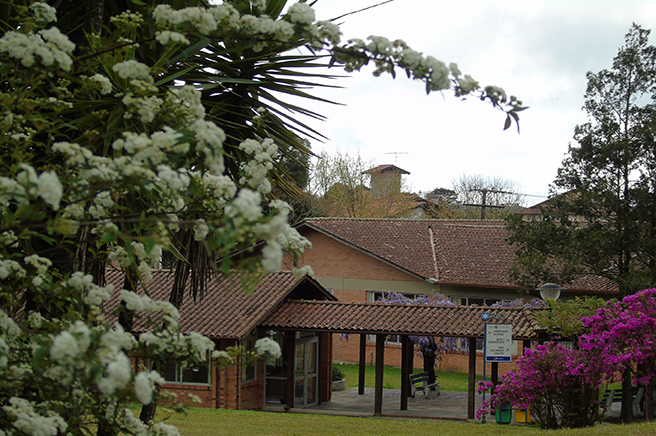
[
  {"x": 627, "y": 398},
  {"x": 148, "y": 411}
]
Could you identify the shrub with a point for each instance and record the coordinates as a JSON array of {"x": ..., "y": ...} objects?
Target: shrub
[
  {"x": 337, "y": 373},
  {"x": 559, "y": 386}
]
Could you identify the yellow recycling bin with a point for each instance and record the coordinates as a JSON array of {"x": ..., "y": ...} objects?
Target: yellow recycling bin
[{"x": 522, "y": 416}]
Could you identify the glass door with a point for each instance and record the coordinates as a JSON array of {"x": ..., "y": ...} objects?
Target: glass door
[{"x": 306, "y": 372}]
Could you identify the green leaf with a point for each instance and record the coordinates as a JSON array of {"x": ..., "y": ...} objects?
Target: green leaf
[
  {"x": 508, "y": 123},
  {"x": 39, "y": 355}
]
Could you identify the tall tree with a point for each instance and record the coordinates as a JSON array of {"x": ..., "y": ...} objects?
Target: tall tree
[{"x": 604, "y": 220}]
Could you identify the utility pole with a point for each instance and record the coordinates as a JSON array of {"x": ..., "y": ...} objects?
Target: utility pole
[{"x": 484, "y": 204}]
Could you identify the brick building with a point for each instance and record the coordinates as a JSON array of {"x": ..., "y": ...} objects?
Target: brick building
[
  {"x": 468, "y": 261},
  {"x": 231, "y": 317}
]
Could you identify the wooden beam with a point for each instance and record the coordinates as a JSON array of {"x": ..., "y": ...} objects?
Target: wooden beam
[
  {"x": 405, "y": 372},
  {"x": 471, "y": 399},
  {"x": 363, "y": 363},
  {"x": 380, "y": 367}
]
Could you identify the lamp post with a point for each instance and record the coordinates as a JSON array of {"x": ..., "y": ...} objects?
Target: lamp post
[{"x": 550, "y": 291}]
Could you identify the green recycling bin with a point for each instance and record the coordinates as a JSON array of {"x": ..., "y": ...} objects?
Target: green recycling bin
[{"x": 504, "y": 413}]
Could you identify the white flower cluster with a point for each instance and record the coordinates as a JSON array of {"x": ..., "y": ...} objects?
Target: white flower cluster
[
  {"x": 41, "y": 265},
  {"x": 222, "y": 357},
  {"x": 299, "y": 272},
  {"x": 247, "y": 206},
  {"x": 44, "y": 12},
  {"x": 256, "y": 170},
  {"x": 103, "y": 82},
  {"x": 92, "y": 294},
  {"x": 166, "y": 36},
  {"x": 9, "y": 332},
  {"x": 117, "y": 375},
  {"x": 187, "y": 102},
  {"x": 267, "y": 348},
  {"x": 132, "y": 69},
  {"x": 50, "y": 45},
  {"x": 201, "y": 230},
  {"x": 69, "y": 345},
  {"x": 143, "y": 303},
  {"x": 202, "y": 19},
  {"x": 11, "y": 268},
  {"x": 223, "y": 187},
  {"x": 144, "y": 385},
  {"x": 27, "y": 184},
  {"x": 301, "y": 13},
  {"x": 28, "y": 421},
  {"x": 210, "y": 139}
]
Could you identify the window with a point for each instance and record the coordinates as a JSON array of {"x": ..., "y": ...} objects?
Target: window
[
  {"x": 182, "y": 373},
  {"x": 248, "y": 364},
  {"x": 474, "y": 301}
]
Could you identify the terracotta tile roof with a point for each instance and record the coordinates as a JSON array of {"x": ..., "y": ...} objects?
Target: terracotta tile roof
[
  {"x": 226, "y": 310},
  {"x": 383, "y": 168},
  {"x": 403, "y": 243},
  {"x": 473, "y": 253},
  {"x": 453, "y": 252},
  {"x": 412, "y": 319}
]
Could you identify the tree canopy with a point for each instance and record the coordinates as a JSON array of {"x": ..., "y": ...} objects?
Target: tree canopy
[{"x": 602, "y": 217}]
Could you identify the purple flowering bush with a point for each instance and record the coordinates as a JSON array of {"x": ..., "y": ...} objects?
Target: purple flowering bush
[
  {"x": 624, "y": 332},
  {"x": 559, "y": 386}
]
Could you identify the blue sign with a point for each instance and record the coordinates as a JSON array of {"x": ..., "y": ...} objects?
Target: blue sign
[{"x": 486, "y": 316}]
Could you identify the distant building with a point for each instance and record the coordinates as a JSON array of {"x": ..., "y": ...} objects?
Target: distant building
[{"x": 385, "y": 180}]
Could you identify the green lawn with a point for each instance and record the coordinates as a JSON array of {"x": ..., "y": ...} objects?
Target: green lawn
[
  {"x": 449, "y": 381},
  {"x": 210, "y": 422}
]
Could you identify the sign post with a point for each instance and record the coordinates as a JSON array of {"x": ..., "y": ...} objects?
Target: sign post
[{"x": 497, "y": 343}]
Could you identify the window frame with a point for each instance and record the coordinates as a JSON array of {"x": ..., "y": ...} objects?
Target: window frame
[
  {"x": 249, "y": 365},
  {"x": 179, "y": 371}
]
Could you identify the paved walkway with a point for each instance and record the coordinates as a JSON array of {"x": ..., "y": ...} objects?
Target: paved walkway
[{"x": 446, "y": 406}]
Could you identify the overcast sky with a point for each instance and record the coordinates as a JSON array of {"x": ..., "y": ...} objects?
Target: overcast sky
[{"x": 537, "y": 50}]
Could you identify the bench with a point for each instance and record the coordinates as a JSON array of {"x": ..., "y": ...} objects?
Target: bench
[
  {"x": 615, "y": 396},
  {"x": 419, "y": 382}
]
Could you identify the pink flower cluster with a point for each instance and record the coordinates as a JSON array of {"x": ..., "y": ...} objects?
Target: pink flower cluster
[{"x": 624, "y": 333}]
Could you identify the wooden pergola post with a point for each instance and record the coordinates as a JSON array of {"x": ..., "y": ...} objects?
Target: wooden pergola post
[
  {"x": 380, "y": 362},
  {"x": 471, "y": 399},
  {"x": 405, "y": 371},
  {"x": 290, "y": 348},
  {"x": 363, "y": 363}
]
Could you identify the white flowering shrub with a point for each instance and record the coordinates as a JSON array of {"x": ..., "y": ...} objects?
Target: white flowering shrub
[{"x": 121, "y": 140}]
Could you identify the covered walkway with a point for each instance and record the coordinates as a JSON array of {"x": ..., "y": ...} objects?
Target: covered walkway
[{"x": 405, "y": 320}]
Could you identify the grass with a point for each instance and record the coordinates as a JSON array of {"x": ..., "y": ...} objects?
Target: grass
[
  {"x": 449, "y": 381},
  {"x": 210, "y": 422}
]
